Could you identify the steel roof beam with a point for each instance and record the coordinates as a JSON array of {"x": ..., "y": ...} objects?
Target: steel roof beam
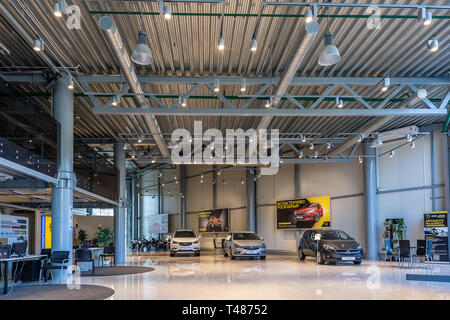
[
  {"x": 270, "y": 112},
  {"x": 234, "y": 80}
]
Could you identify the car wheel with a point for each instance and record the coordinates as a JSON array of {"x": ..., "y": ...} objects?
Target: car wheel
[
  {"x": 172, "y": 254},
  {"x": 301, "y": 255},
  {"x": 263, "y": 258},
  {"x": 357, "y": 262},
  {"x": 197, "y": 254},
  {"x": 231, "y": 256},
  {"x": 317, "y": 217},
  {"x": 321, "y": 258},
  {"x": 225, "y": 254}
]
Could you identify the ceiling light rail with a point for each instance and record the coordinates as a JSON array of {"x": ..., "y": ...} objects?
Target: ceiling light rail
[{"x": 354, "y": 5}]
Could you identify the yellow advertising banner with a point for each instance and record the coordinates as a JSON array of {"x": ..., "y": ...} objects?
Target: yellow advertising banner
[{"x": 313, "y": 212}]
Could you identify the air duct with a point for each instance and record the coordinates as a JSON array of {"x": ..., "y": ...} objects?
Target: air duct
[
  {"x": 116, "y": 44},
  {"x": 311, "y": 31}
]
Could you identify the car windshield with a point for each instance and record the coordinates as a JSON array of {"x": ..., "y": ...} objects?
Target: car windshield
[
  {"x": 184, "y": 234},
  {"x": 245, "y": 236},
  {"x": 334, "y": 235}
]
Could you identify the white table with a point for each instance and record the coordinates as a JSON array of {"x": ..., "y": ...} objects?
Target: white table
[{"x": 7, "y": 261}]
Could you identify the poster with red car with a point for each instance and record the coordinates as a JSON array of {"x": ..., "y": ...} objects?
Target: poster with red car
[
  {"x": 304, "y": 213},
  {"x": 213, "y": 221}
]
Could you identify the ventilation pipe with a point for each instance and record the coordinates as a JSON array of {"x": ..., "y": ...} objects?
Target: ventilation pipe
[
  {"x": 311, "y": 31},
  {"x": 116, "y": 44}
]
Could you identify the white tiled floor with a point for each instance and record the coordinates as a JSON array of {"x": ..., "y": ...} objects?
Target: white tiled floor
[{"x": 212, "y": 276}]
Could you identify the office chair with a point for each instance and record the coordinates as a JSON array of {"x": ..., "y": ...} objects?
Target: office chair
[
  {"x": 57, "y": 261},
  {"x": 85, "y": 255},
  {"x": 109, "y": 252},
  {"x": 405, "y": 251}
]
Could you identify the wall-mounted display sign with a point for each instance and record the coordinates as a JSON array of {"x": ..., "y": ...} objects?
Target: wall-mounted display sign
[
  {"x": 158, "y": 223},
  {"x": 436, "y": 228},
  {"x": 304, "y": 213},
  {"x": 46, "y": 232},
  {"x": 213, "y": 221},
  {"x": 13, "y": 229}
]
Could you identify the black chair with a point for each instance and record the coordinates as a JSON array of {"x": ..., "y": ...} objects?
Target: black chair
[
  {"x": 84, "y": 255},
  {"x": 109, "y": 252},
  {"x": 405, "y": 251},
  {"x": 56, "y": 262}
]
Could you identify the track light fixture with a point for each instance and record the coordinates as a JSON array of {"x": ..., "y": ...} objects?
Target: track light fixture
[
  {"x": 422, "y": 93},
  {"x": 219, "y": 172},
  {"x": 243, "y": 85},
  {"x": 142, "y": 54},
  {"x": 339, "y": 103},
  {"x": 412, "y": 144},
  {"x": 125, "y": 146},
  {"x": 360, "y": 137},
  {"x": 360, "y": 159},
  {"x": 409, "y": 137},
  {"x": 254, "y": 46},
  {"x": 391, "y": 153},
  {"x": 242, "y": 181},
  {"x": 140, "y": 139},
  {"x": 116, "y": 100},
  {"x": 300, "y": 155},
  {"x": 183, "y": 101},
  {"x": 70, "y": 83},
  {"x": 38, "y": 45},
  {"x": 309, "y": 16},
  {"x": 268, "y": 102},
  {"x": 303, "y": 138},
  {"x": 426, "y": 17},
  {"x": 216, "y": 85},
  {"x": 153, "y": 160},
  {"x": 57, "y": 10},
  {"x": 377, "y": 142},
  {"x": 316, "y": 154},
  {"x": 387, "y": 83},
  {"x": 311, "y": 146},
  {"x": 167, "y": 12},
  {"x": 330, "y": 54},
  {"x": 329, "y": 145},
  {"x": 433, "y": 45},
  {"x": 221, "y": 43}
]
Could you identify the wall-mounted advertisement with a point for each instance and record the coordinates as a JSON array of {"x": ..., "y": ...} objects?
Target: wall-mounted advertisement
[
  {"x": 46, "y": 232},
  {"x": 436, "y": 228},
  {"x": 158, "y": 223},
  {"x": 213, "y": 221},
  {"x": 304, "y": 213}
]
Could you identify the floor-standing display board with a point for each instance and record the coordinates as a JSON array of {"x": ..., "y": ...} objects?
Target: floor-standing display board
[
  {"x": 13, "y": 228},
  {"x": 436, "y": 228}
]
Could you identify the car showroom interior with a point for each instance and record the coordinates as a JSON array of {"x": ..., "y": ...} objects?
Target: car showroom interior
[{"x": 224, "y": 150}]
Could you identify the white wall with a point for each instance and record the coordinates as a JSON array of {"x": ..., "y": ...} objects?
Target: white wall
[{"x": 407, "y": 169}]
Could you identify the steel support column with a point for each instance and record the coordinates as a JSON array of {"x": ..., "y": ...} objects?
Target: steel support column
[
  {"x": 62, "y": 194},
  {"x": 251, "y": 201},
  {"x": 183, "y": 198},
  {"x": 297, "y": 180},
  {"x": 119, "y": 210},
  {"x": 370, "y": 185}
]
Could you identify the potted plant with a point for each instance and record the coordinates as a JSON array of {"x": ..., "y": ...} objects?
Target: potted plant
[
  {"x": 82, "y": 235},
  {"x": 105, "y": 237}
]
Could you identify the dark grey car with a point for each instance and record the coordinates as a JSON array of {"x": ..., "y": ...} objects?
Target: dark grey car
[{"x": 333, "y": 246}]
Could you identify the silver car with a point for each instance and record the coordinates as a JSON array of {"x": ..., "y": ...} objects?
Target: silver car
[{"x": 244, "y": 244}]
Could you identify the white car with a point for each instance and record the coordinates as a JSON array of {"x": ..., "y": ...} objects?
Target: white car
[
  {"x": 244, "y": 244},
  {"x": 185, "y": 241}
]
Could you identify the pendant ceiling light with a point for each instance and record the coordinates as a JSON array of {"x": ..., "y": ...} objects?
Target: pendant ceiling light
[
  {"x": 330, "y": 54},
  {"x": 142, "y": 54}
]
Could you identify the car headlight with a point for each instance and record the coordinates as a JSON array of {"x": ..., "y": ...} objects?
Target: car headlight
[
  {"x": 195, "y": 242},
  {"x": 328, "y": 247},
  {"x": 263, "y": 245},
  {"x": 174, "y": 242},
  {"x": 359, "y": 246},
  {"x": 237, "y": 246}
]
